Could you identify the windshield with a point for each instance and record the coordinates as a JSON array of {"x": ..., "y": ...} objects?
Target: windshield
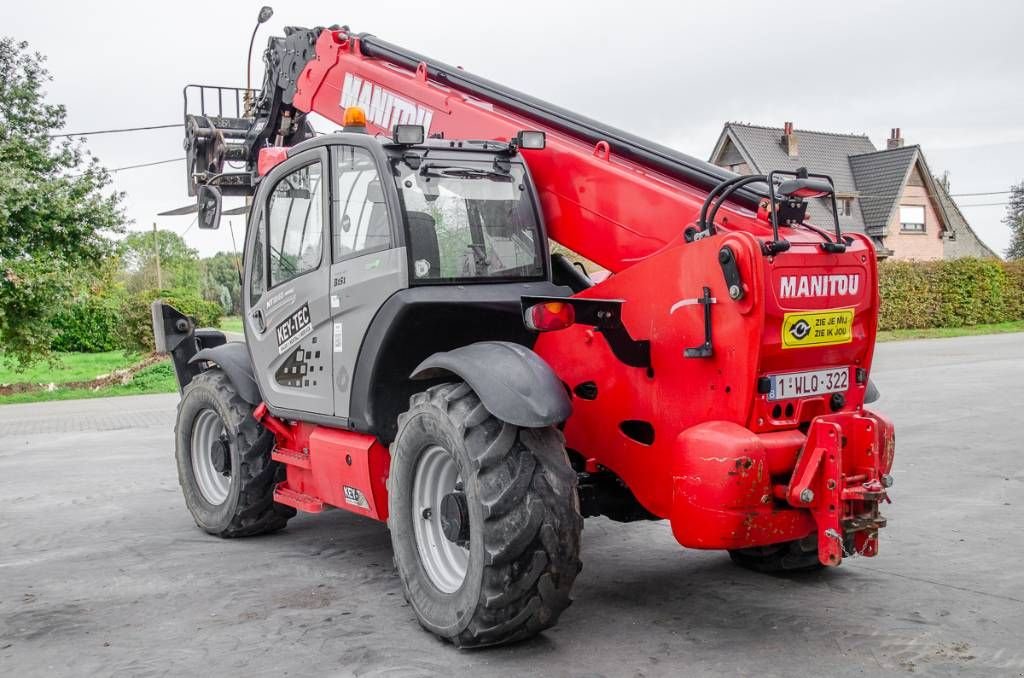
[{"x": 469, "y": 221}]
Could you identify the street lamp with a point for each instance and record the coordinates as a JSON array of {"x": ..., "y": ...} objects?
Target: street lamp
[{"x": 265, "y": 13}]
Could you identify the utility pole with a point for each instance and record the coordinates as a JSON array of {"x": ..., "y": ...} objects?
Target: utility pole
[{"x": 156, "y": 250}]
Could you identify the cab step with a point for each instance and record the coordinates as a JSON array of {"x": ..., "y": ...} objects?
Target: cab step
[
  {"x": 297, "y": 500},
  {"x": 291, "y": 457}
]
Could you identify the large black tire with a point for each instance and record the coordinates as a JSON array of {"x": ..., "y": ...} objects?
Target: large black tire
[
  {"x": 248, "y": 508},
  {"x": 791, "y": 556},
  {"x": 523, "y": 515}
]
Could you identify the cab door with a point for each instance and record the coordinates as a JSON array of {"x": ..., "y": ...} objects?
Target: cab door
[
  {"x": 368, "y": 263},
  {"x": 287, "y": 271}
]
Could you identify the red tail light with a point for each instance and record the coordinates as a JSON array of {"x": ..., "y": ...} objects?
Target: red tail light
[{"x": 551, "y": 315}]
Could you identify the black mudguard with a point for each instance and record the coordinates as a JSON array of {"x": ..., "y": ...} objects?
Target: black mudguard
[
  {"x": 234, "y": 359},
  {"x": 872, "y": 394},
  {"x": 513, "y": 383}
]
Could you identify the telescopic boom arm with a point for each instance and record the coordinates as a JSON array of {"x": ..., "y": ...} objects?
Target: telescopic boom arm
[{"x": 607, "y": 194}]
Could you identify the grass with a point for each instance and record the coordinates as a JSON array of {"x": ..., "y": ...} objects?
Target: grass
[
  {"x": 232, "y": 323},
  {"x": 940, "y": 332},
  {"x": 158, "y": 378},
  {"x": 71, "y": 367}
]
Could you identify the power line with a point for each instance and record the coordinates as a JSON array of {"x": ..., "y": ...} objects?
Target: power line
[
  {"x": 985, "y": 204},
  {"x": 145, "y": 164},
  {"x": 115, "y": 131},
  {"x": 189, "y": 227},
  {"x": 889, "y": 196},
  {"x": 131, "y": 167},
  {"x": 960, "y": 195}
]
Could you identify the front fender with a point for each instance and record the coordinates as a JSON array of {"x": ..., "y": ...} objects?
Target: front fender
[
  {"x": 234, "y": 359},
  {"x": 513, "y": 383}
]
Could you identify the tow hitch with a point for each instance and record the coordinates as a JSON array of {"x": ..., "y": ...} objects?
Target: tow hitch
[{"x": 841, "y": 477}]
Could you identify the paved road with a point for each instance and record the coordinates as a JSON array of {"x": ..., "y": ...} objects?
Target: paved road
[{"x": 103, "y": 572}]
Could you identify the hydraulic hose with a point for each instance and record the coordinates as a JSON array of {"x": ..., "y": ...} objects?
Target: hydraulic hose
[
  {"x": 712, "y": 194},
  {"x": 743, "y": 181}
]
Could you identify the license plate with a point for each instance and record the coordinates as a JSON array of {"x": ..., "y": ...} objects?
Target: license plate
[{"x": 815, "y": 382}]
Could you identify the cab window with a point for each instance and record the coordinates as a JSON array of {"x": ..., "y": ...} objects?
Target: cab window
[
  {"x": 295, "y": 224},
  {"x": 258, "y": 278},
  {"x": 361, "y": 223},
  {"x": 469, "y": 222}
]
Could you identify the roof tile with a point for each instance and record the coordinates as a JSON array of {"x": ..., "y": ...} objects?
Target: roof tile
[{"x": 879, "y": 178}]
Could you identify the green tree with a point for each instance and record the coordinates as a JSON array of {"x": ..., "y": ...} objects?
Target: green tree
[
  {"x": 55, "y": 209},
  {"x": 1014, "y": 219},
  {"x": 220, "y": 278},
  {"x": 179, "y": 263}
]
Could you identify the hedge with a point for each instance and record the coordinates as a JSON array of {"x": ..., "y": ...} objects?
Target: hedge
[
  {"x": 88, "y": 325},
  {"x": 950, "y": 293},
  {"x": 915, "y": 295},
  {"x": 123, "y": 321},
  {"x": 137, "y": 321}
]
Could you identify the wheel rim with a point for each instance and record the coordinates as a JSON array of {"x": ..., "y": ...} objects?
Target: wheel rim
[
  {"x": 444, "y": 561},
  {"x": 207, "y": 431}
]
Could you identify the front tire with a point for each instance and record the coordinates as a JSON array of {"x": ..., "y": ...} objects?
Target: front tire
[
  {"x": 484, "y": 520},
  {"x": 224, "y": 465}
]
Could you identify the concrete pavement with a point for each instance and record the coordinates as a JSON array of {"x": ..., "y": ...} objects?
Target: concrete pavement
[{"x": 102, "y": 571}]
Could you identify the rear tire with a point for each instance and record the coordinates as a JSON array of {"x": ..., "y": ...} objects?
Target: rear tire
[
  {"x": 510, "y": 573},
  {"x": 224, "y": 465},
  {"x": 800, "y": 555}
]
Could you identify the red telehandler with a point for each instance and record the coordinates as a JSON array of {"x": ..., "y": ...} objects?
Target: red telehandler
[{"x": 416, "y": 354}]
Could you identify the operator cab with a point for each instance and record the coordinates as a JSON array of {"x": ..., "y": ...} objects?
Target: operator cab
[{"x": 365, "y": 255}]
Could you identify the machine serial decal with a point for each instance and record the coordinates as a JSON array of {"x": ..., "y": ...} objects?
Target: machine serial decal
[
  {"x": 383, "y": 107},
  {"x": 292, "y": 330},
  {"x": 337, "y": 338},
  {"x": 817, "y": 328},
  {"x": 797, "y": 286}
]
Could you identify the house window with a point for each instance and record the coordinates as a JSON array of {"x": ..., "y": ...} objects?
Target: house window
[
  {"x": 912, "y": 218},
  {"x": 845, "y": 206}
]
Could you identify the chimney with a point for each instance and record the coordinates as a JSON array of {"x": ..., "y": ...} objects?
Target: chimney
[
  {"x": 895, "y": 140},
  {"x": 789, "y": 140}
]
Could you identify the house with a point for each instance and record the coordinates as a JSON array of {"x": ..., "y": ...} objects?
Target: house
[{"x": 891, "y": 194}]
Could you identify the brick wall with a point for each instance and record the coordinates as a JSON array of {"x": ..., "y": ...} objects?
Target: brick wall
[{"x": 918, "y": 246}]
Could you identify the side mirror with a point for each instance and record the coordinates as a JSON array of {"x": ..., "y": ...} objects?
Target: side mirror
[
  {"x": 209, "y": 204},
  {"x": 804, "y": 188}
]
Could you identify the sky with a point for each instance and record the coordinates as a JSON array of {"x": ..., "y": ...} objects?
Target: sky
[{"x": 950, "y": 75}]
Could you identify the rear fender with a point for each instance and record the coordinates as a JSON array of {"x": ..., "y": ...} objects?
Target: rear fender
[{"x": 513, "y": 383}]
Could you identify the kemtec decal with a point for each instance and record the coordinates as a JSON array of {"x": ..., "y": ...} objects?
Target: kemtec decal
[
  {"x": 797, "y": 286},
  {"x": 383, "y": 107}
]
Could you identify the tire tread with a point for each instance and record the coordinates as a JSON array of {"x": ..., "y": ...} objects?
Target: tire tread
[
  {"x": 256, "y": 512},
  {"x": 532, "y": 523}
]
